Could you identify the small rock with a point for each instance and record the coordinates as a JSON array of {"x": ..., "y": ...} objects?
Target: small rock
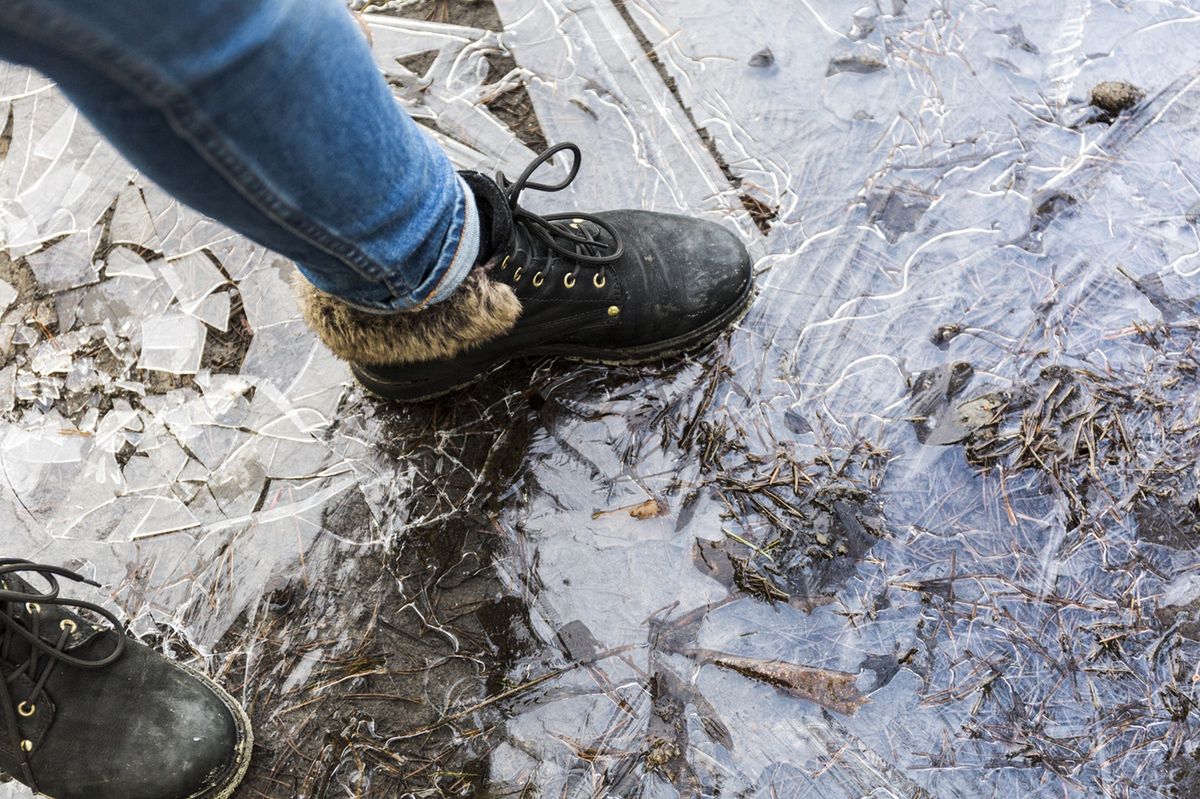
[
  {"x": 864, "y": 23},
  {"x": 1115, "y": 96},
  {"x": 945, "y": 334},
  {"x": 763, "y": 58},
  {"x": 858, "y": 64}
]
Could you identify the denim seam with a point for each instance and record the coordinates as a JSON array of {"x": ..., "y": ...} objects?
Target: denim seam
[{"x": 185, "y": 118}]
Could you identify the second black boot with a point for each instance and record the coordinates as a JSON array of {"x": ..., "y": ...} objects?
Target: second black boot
[
  {"x": 86, "y": 713},
  {"x": 615, "y": 287}
]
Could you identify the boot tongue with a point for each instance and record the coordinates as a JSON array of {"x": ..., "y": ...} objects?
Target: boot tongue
[{"x": 495, "y": 217}]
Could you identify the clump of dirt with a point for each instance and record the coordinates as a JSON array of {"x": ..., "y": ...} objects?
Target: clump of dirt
[{"x": 1114, "y": 96}]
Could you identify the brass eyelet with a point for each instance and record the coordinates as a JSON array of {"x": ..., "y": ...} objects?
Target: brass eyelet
[
  {"x": 68, "y": 626},
  {"x": 538, "y": 279},
  {"x": 32, "y": 607},
  {"x": 598, "y": 280},
  {"x": 27, "y": 745},
  {"x": 517, "y": 275},
  {"x": 504, "y": 263},
  {"x": 613, "y": 310},
  {"x": 569, "y": 280},
  {"x": 26, "y": 709}
]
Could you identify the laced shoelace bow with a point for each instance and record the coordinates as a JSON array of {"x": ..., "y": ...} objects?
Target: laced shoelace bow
[
  {"x": 561, "y": 233},
  {"x": 39, "y": 662}
]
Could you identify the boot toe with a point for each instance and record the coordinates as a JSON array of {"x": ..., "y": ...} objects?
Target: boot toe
[
  {"x": 204, "y": 738},
  {"x": 145, "y": 728},
  {"x": 688, "y": 274},
  {"x": 716, "y": 272}
]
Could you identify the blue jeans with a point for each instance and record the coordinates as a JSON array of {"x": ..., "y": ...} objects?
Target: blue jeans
[{"x": 271, "y": 117}]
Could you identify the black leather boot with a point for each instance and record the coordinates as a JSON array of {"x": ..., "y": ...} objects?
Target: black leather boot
[
  {"x": 614, "y": 287},
  {"x": 86, "y": 713}
]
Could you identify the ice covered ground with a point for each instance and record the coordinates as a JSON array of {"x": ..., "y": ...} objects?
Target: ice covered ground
[{"x": 925, "y": 524}]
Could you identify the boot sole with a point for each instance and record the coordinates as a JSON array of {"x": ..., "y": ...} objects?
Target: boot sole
[
  {"x": 228, "y": 782},
  {"x": 629, "y": 356}
]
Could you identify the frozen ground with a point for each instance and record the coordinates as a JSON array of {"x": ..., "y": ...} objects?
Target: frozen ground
[{"x": 924, "y": 525}]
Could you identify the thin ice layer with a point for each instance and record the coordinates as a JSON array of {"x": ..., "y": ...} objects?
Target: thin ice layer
[{"x": 946, "y": 465}]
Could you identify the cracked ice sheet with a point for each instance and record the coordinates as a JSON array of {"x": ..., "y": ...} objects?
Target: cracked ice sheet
[
  {"x": 169, "y": 426},
  {"x": 907, "y": 182},
  {"x": 125, "y": 449}
]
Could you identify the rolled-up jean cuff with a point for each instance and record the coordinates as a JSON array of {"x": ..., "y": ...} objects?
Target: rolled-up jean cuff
[
  {"x": 467, "y": 253},
  {"x": 464, "y": 252}
]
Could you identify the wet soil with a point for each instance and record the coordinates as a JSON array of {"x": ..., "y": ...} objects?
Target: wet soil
[
  {"x": 1012, "y": 610},
  {"x": 409, "y": 701}
]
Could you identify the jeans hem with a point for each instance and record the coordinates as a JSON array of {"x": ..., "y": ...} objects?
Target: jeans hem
[
  {"x": 466, "y": 255},
  {"x": 461, "y": 262}
]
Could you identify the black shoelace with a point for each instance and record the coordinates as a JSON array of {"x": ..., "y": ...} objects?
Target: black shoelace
[
  {"x": 39, "y": 663},
  {"x": 561, "y": 233}
]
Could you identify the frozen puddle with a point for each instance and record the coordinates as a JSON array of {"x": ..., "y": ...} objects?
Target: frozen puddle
[{"x": 924, "y": 525}]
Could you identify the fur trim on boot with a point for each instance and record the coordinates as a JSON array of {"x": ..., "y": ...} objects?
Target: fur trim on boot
[{"x": 479, "y": 311}]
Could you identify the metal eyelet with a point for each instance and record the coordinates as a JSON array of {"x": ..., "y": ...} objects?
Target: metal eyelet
[
  {"x": 598, "y": 280},
  {"x": 575, "y": 223},
  {"x": 26, "y": 710},
  {"x": 613, "y": 310},
  {"x": 32, "y": 607},
  {"x": 517, "y": 275},
  {"x": 68, "y": 626},
  {"x": 27, "y": 745},
  {"x": 569, "y": 280},
  {"x": 538, "y": 279},
  {"x": 504, "y": 263}
]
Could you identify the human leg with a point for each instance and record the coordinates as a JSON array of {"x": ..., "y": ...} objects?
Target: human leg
[{"x": 271, "y": 117}]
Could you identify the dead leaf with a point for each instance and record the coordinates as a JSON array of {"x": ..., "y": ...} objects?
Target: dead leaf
[
  {"x": 834, "y": 690},
  {"x": 649, "y": 509}
]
